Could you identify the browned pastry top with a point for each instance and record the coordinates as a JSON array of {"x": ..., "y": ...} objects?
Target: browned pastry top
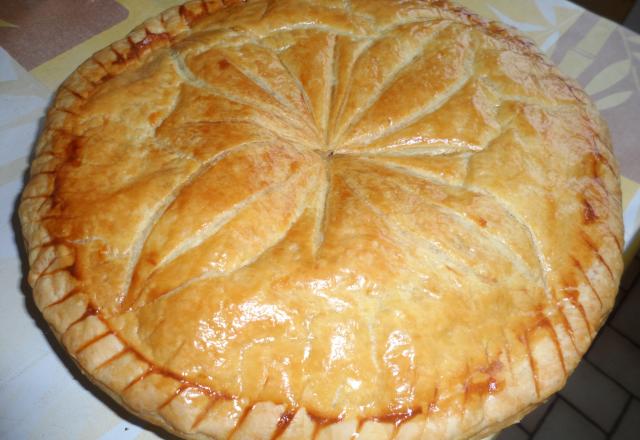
[{"x": 294, "y": 219}]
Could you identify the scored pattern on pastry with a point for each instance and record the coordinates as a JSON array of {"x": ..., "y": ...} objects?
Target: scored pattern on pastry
[{"x": 292, "y": 220}]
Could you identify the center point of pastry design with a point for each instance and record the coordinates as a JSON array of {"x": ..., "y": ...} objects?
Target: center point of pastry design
[{"x": 325, "y": 153}]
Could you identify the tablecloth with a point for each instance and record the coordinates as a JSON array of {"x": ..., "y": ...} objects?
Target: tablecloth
[{"x": 42, "y": 395}]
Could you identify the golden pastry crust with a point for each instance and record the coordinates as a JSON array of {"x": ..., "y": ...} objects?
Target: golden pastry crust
[{"x": 295, "y": 219}]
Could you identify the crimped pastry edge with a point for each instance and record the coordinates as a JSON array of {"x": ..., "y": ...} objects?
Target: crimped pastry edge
[{"x": 498, "y": 411}]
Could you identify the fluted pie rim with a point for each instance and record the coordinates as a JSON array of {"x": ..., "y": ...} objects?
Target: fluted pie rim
[{"x": 507, "y": 405}]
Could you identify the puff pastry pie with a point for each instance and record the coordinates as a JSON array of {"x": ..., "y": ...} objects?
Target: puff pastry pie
[{"x": 300, "y": 219}]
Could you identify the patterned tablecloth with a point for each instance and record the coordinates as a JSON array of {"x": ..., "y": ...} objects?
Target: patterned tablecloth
[{"x": 42, "y": 41}]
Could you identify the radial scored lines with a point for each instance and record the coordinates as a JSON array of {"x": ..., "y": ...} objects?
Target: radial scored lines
[
  {"x": 329, "y": 85},
  {"x": 436, "y": 148},
  {"x": 189, "y": 78},
  {"x": 275, "y": 136},
  {"x": 475, "y": 227},
  {"x": 174, "y": 105},
  {"x": 387, "y": 162},
  {"x": 158, "y": 142},
  {"x": 543, "y": 267},
  {"x": 213, "y": 273},
  {"x": 307, "y": 56},
  {"x": 431, "y": 107},
  {"x": 232, "y": 246},
  {"x": 410, "y": 239},
  {"x": 434, "y": 77},
  {"x": 248, "y": 61},
  {"x": 136, "y": 250},
  {"x": 153, "y": 219},
  {"x": 347, "y": 53},
  {"x": 372, "y": 322},
  {"x": 305, "y": 98},
  {"x": 260, "y": 82},
  {"x": 317, "y": 27},
  {"x": 322, "y": 209},
  {"x": 344, "y": 85},
  {"x": 295, "y": 129},
  {"x": 163, "y": 145},
  {"x": 295, "y": 79},
  {"x": 372, "y": 60},
  {"x": 210, "y": 229}
]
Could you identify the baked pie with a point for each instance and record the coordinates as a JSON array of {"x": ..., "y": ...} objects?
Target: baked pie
[{"x": 297, "y": 219}]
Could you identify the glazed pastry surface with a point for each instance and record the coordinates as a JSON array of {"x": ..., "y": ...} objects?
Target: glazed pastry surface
[{"x": 295, "y": 219}]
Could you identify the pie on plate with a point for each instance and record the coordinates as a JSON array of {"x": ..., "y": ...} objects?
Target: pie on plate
[{"x": 301, "y": 219}]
